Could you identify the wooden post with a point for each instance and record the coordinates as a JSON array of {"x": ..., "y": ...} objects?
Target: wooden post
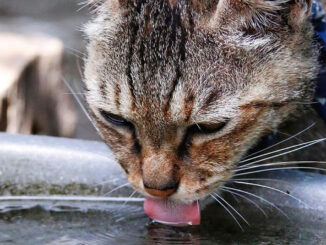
[{"x": 33, "y": 98}]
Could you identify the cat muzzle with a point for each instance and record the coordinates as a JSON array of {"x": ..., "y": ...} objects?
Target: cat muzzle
[{"x": 163, "y": 191}]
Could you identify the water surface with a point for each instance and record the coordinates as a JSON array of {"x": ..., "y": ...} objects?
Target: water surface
[{"x": 125, "y": 223}]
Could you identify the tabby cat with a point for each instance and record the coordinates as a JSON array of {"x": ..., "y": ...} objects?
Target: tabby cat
[{"x": 181, "y": 90}]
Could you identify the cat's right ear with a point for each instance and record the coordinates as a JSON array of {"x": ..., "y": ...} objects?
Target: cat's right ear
[{"x": 258, "y": 14}]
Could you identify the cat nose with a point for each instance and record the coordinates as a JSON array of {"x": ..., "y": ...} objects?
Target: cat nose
[{"x": 162, "y": 191}]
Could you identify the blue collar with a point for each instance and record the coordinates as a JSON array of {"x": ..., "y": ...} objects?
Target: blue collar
[{"x": 318, "y": 18}]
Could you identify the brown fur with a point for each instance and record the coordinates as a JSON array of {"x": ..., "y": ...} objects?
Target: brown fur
[{"x": 166, "y": 65}]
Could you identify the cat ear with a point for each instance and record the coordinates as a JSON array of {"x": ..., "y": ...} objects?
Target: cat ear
[
  {"x": 260, "y": 13},
  {"x": 300, "y": 10}
]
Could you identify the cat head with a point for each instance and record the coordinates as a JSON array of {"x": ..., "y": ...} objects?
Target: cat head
[{"x": 181, "y": 89}]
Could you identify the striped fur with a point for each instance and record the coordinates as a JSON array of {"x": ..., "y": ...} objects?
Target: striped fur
[{"x": 165, "y": 65}]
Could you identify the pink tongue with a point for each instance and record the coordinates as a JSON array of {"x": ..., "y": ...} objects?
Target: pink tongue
[{"x": 172, "y": 213}]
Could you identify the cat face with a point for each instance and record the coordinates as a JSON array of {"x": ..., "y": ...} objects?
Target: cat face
[{"x": 181, "y": 90}]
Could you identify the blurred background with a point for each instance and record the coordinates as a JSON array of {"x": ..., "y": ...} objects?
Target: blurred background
[{"x": 41, "y": 45}]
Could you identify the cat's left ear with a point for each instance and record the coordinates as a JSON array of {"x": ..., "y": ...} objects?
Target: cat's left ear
[
  {"x": 260, "y": 13},
  {"x": 300, "y": 10}
]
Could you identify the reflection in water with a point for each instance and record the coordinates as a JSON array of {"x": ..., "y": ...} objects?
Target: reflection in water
[
  {"x": 109, "y": 224},
  {"x": 172, "y": 235}
]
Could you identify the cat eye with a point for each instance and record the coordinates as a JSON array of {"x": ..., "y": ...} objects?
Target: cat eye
[
  {"x": 208, "y": 128},
  {"x": 202, "y": 128},
  {"x": 115, "y": 119}
]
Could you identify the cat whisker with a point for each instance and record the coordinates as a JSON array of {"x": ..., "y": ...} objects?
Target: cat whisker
[
  {"x": 276, "y": 151},
  {"x": 76, "y": 52},
  {"x": 276, "y": 169},
  {"x": 80, "y": 103},
  {"x": 256, "y": 196},
  {"x": 76, "y": 55},
  {"x": 79, "y": 69},
  {"x": 283, "y": 141},
  {"x": 85, "y": 4},
  {"x": 129, "y": 198},
  {"x": 302, "y": 146},
  {"x": 273, "y": 189},
  {"x": 289, "y": 135},
  {"x": 234, "y": 197},
  {"x": 279, "y": 150},
  {"x": 227, "y": 210},
  {"x": 197, "y": 125},
  {"x": 308, "y": 103},
  {"x": 228, "y": 204},
  {"x": 117, "y": 188},
  {"x": 280, "y": 163},
  {"x": 82, "y": 4},
  {"x": 106, "y": 182},
  {"x": 257, "y": 179},
  {"x": 75, "y": 93},
  {"x": 247, "y": 199}
]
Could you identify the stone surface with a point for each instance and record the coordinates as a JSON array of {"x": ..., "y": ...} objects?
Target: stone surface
[{"x": 40, "y": 165}]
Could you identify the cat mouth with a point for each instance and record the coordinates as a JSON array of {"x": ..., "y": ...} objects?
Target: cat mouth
[{"x": 173, "y": 213}]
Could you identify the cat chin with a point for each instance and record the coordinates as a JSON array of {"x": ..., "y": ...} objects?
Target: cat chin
[
  {"x": 188, "y": 197},
  {"x": 204, "y": 199}
]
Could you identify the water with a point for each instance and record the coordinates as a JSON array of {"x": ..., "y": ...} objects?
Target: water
[{"x": 120, "y": 223}]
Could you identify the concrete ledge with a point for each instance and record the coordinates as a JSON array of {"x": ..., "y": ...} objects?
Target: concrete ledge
[{"x": 36, "y": 165}]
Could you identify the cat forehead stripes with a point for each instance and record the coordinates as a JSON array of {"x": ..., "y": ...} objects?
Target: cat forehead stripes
[{"x": 157, "y": 57}]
